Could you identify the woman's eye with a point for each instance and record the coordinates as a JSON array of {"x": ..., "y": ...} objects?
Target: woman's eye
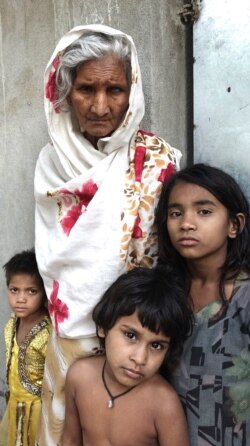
[
  {"x": 85, "y": 88},
  {"x": 115, "y": 90}
]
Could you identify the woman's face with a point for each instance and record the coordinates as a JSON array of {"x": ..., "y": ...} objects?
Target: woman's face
[{"x": 100, "y": 96}]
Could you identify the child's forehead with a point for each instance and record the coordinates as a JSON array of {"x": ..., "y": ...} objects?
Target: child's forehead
[
  {"x": 184, "y": 189},
  {"x": 132, "y": 321},
  {"x": 24, "y": 278}
]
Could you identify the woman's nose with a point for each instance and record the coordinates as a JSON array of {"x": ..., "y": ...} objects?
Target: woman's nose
[{"x": 100, "y": 104}]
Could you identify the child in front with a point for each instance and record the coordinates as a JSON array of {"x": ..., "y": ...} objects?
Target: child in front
[
  {"x": 26, "y": 336},
  {"x": 204, "y": 234},
  {"x": 119, "y": 398}
]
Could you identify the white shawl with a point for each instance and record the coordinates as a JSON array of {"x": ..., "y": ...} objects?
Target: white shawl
[{"x": 94, "y": 208}]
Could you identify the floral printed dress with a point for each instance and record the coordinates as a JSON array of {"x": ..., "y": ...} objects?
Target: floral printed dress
[{"x": 213, "y": 378}]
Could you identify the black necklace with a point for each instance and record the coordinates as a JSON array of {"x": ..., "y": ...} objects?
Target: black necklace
[{"x": 112, "y": 398}]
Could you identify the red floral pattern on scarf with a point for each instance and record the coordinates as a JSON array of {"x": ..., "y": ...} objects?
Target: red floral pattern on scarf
[
  {"x": 56, "y": 307},
  {"x": 137, "y": 232},
  {"x": 50, "y": 88},
  {"x": 166, "y": 173},
  {"x": 140, "y": 153},
  {"x": 82, "y": 197}
]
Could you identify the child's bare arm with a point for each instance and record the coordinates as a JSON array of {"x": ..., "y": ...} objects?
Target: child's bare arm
[
  {"x": 72, "y": 432},
  {"x": 171, "y": 423}
]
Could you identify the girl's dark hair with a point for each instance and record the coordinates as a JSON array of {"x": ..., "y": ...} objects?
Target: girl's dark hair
[
  {"x": 158, "y": 299},
  {"x": 228, "y": 192}
]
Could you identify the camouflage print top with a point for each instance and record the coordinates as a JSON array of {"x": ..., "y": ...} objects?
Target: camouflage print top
[{"x": 213, "y": 378}]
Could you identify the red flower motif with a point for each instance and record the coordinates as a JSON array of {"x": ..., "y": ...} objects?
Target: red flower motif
[
  {"x": 166, "y": 173},
  {"x": 50, "y": 88},
  {"x": 56, "y": 307},
  {"x": 137, "y": 232},
  {"x": 140, "y": 152},
  {"x": 71, "y": 218},
  {"x": 85, "y": 194}
]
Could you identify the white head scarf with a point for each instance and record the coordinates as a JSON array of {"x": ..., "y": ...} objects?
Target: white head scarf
[{"x": 74, "y": 151}]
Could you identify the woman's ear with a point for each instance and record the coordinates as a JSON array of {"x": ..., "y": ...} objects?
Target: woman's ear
[
  {"x": 236, "y": 225},
  {"x": 100, "y": 332}
]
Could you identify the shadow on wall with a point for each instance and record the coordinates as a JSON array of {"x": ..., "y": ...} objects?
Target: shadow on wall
[{"x": 2, "y": 397}]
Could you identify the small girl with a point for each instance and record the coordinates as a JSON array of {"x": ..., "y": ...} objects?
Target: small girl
[
  {"x": 26, "y": 337},
  {"x": 204, "y": 235}
]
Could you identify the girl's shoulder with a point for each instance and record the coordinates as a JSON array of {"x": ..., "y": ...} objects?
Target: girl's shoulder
[
  {"x": 37, "y": 338},
  {"x": 242, "y": 280},
  {"x": 88, "y": 364},
  {"x": 11, "y": 323},
  {"x": 241, "y": 291}
]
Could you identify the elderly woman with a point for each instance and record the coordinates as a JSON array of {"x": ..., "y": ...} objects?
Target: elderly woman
[{"x": 96, "y": 185}]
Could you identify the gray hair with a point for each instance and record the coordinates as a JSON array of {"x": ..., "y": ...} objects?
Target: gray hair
[{"x": 89, "y": 46}]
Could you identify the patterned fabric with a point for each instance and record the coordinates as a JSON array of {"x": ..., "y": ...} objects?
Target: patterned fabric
[
  {"x": 95, "y": 208},
  {"x": 25, "y": 367},
  {"x": 213, "y": 378},
  {"x": 94, "y": 220}
]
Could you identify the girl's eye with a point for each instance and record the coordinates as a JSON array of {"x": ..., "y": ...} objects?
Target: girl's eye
[
  {"x": 157, "y": 346},
  {"x": 174, "y": 213},
  {"x": 130, "y": 335},
  {"x": 13, "y": 290},
  {"x": 204, "y": 212},
  {"x": 33, "y": 291}
]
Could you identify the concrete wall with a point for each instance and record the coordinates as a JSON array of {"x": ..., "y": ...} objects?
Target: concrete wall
[
  {"x": 221, "y": 87},
  {"x": 29, "y": 30}
]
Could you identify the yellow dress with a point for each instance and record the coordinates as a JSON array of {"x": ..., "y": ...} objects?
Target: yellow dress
[{"x": 25, "y": 366}]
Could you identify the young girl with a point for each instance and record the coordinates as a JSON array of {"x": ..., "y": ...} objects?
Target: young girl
[
  {"x": 204, "y": 234},
  {"x": 26, "y": 336},
  {"x": 119, "y": 398}
]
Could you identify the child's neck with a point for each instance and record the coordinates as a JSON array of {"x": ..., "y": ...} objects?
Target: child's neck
[
  {"x": 205, "y": 284},
  {"x": 25, "y": 324}
]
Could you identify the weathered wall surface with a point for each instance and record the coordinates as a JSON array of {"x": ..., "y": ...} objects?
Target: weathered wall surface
[
  {"x": 29, "y": 30},
  {"x": 221, "y": 87}
]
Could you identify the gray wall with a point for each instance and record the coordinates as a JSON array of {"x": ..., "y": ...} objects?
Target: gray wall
[
  {"x": 29, "y": 30},
  {"x": 221, "y": 87}
]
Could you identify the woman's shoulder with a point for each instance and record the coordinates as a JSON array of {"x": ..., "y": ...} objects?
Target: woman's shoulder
[
  {"x": 156, "y": 144},
  {"x": 158, "y": 159}
]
